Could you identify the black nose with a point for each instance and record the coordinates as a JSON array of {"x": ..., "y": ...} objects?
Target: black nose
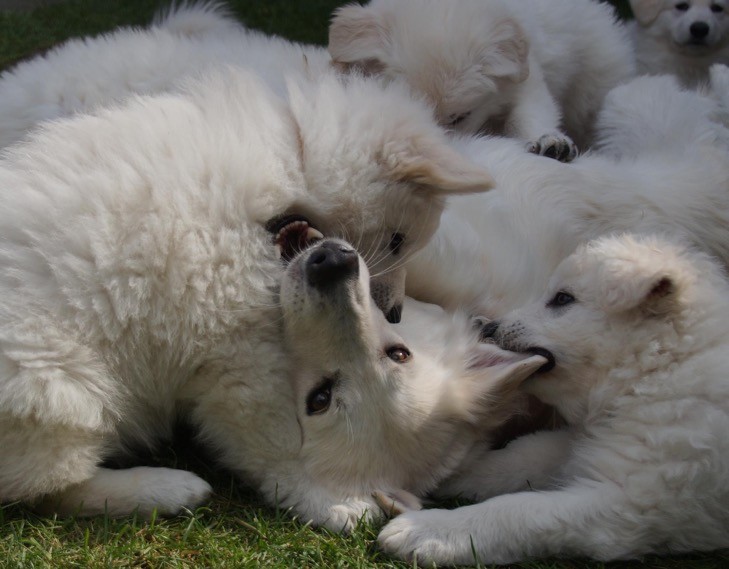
[
  {"x": 395, "y": 314},
  {"x": 489, "y": 330},
  {"x": 331, "y": 262},
  {"x": 699, "y": 30}
]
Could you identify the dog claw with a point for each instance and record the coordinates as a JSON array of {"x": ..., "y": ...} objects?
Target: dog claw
[{"x": 559, "y": 147}]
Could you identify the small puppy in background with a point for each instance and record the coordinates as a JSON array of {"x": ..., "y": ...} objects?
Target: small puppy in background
[
  {"x": 680, "y": 37},
  {"x": 534, "y": 70},
  {"x": 636, "y": 331}
]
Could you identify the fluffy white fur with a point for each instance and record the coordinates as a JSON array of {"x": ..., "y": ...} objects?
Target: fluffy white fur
[
  {"x": 87, "y": 73},
  {"x": 385, "y": 411},
  {"x": 663, "y": 166},
  {"x": 138, "y": 280},
  {"x": 639, "y": 329},
  {"x": 525, "y": 68},
  {"x": 680, "y": 37}
]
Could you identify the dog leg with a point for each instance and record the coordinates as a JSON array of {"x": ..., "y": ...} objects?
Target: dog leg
[
  {"x": 527, "y": 463},
  {"x": 536, "y": 118},
  {"x": 578, "y": 521},
  {"x": 123, "y": 492}
]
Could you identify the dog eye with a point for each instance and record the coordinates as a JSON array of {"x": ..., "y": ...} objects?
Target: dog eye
[
  {"x": 717, "y": 9},
  {"x": 562, "y": 298},
  {"x": 455, "y": 120},
  {"x": 682, "y": 6},
  {"x": 398, "y": 354},
  {"x": 396, "y": 242},
  {"x": 319, "y": 398}
]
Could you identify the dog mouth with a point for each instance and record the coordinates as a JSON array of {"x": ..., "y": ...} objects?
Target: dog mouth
[
  {"x": 292, "y": 235},
  {"x": 549, "y": 356}
]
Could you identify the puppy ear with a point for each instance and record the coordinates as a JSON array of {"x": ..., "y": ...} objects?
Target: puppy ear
[
  {"x": 507, "y": 56},
  {"x": 357, "y": 39},
  {"x": 654, "y": 294},
  {"x": 645, "y": 11},
  {"x": 433, "y": 165}
]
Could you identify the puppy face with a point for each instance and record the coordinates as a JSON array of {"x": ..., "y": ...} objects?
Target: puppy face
[
  {"x": 465, "y": 59},
  {"x": 377, "y": 170},
  {"x": 610, "y": 315},
  {"x": 693, "y": 26},
  {"x": 383, "y": 407}
]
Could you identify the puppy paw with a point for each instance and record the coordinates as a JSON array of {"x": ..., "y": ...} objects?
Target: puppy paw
[
  {"x": 345, "y": 517},
  {"x": 123, "y": 492},
  {"x": 425, "y": 537},
  {"x": 397, "y": 502},
  {"x": 557, "y": 145}
]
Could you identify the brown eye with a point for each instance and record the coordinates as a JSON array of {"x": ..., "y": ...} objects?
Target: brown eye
[
  {"x": 319, "y": 398},
  {"x": 396, "y": 242},
  {"x": 562, "y": 298},
  {"x": 398, "y": 354}
]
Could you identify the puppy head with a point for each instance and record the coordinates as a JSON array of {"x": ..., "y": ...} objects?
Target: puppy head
[
  {"x": 615, "y": 310},
  {"x": 377, "y": 170},
  {"x": 694, "y": 27},
  {"x": 383, "y": 407},
  {"x": 464, "y": 57}
]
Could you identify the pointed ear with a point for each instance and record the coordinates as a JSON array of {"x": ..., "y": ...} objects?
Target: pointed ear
[
  {"x": 508, "y": 54},
  {"x": 500, "y": 370},
  {"x": 358, "y": 39},
  {"x": 625, "y": 290},
  {"x": 433, "y": 165},
  {"x": 645, "y": 11}
]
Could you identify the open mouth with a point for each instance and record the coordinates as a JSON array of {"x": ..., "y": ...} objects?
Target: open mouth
[
  {"x": 549, "y": 356},
  {"x": 292, "y": 235}
]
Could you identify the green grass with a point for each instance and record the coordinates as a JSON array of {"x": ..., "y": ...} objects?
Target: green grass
[{"x": 235, "y": 529}]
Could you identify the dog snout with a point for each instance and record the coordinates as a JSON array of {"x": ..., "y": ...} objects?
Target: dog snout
[
  {"x": 331, "y": 262},
  {"x": 699, "y": 30},
  {"x": 489, "y": 330}
]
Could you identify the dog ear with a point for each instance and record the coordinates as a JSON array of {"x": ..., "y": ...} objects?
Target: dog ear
[
  {"x": 357, "y": 40},
  {"x": 645, "y": 11},
  {"x": 507, "y": 56},
  {"x": 653, "y": 293},
  {"x": 431, "y": 164}
]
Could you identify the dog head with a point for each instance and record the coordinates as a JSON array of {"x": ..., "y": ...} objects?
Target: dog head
[
  {"x": 463, "y": 56},
  {"x": 377, "y": 171},
  {"x": 693, "y": 26},
  {"x": 381, "y": 407},
  {"x": 616, "y": 310}
]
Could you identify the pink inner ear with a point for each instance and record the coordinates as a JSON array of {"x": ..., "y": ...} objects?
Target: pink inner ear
[{"x": 489, "y": 355}]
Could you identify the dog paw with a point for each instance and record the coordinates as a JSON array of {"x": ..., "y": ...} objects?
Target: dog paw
[
  {"x": 426, "y": 538},
  {"x": 345, "y": 517},
  {"x": 123, "y": 492},
  {"x": 557, "y": 146},
  {"x": 397, "y": 502}
]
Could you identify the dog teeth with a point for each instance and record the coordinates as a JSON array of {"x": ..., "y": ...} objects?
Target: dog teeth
[{"x": 314, "y": 235}]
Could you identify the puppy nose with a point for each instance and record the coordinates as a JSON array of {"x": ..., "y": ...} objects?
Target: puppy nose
[
  {"x": 699, "y": 30},
  {"x": 489, "y": 330},
  {"x": 330, "y": 263}
]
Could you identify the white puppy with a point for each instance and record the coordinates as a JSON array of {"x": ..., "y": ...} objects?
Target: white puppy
[
  {"x": 525, "y": 68},
  {"x": 680, "y": 37},
  {"x": 637, "y": 333},
  {"x": 663, "y": 166},
  {"x": 83, "y": 74},
  {"x": 384, "y": 412},
  {"x": 140, "y": 259}
]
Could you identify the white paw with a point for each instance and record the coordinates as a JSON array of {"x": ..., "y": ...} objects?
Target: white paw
[
  {"x": 123, "y": 492},
  {"x": 556, "y": 145},
  {"x": 344, "y": 518},
  {"x": 426, "y": 537}
]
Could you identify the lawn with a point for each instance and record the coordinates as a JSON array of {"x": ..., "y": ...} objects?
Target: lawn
[{"x": 235, "y": 529}]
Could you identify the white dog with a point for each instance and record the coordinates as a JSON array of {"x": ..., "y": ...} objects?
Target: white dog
[
  {"x": 84, "y": 74},
  {"x": 680, "y": 37},
  {"x": 637, "y": 334},
  {"x": 385, "y": 412},
  {"x": 501, "y": 66},
  {"x": 140, "y": 258},
  {"x": 662, "y": 166}
]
